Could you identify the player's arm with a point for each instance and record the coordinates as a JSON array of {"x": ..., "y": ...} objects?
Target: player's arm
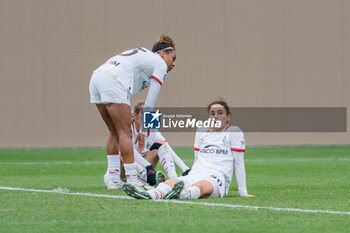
[
  {"x": 151, "y": 98},
  {"x": 238, "y": 149},
  {"x": 240, "y": 172},
  {"x": 196, "y": 146}
]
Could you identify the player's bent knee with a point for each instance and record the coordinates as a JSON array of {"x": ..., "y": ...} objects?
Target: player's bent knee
[
  {"x": 171, "y": 182},
  {"x": 206, "y": 188}
]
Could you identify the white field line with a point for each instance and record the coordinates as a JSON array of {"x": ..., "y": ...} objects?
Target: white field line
[
  {"x": 53, "y": 162},
  {"x": 300, "y": 159},
  {"x": 185, "y": 160},
  {"x": 182, "y": 202}
]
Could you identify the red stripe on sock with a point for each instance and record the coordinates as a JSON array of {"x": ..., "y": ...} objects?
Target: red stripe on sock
[{"x": 161, "y": 194}]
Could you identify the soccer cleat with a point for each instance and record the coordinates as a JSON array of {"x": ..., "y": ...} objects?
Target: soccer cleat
[
  {"x": 176, "y": 191},
  {"x": 160, "y": 177},
  {"x": 115, "y": 185},
  {"x": 142, "y": 185},
  {"x": 134, "y": 192}
]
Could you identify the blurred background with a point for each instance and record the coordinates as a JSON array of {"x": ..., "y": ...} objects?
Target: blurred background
[{"x": 252, "y": 53}]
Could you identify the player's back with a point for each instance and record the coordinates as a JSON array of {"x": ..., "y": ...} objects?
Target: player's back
[
  {"x": 135, "y": 61},
  {"x": 138, "y": 65}
]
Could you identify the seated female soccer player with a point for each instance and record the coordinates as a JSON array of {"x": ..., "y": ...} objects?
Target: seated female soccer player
[
  {"x": 156, "y": 149},
  {"x": 217, "y": 150}
]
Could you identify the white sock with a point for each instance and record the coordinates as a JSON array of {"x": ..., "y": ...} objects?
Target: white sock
[
  {"x": 141, "y": 172},
  {"x": 192, "y": 192},
  {"x": 177, "y": 160},
  {"x": 140, "y": 160},
  {"x": 130, "y": 172},
  {"x": 159, "y": 192},
  {"x": 114, "y": 167},
  {"x": 166, "y": 160}
]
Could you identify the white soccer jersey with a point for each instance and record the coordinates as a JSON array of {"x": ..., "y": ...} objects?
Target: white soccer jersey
[
  {"x": 150, "y": 138},
  {"x": 139, "y": 66},
  {"x": 215, "y": 155}
]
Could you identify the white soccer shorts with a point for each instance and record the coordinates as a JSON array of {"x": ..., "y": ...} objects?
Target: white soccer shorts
[
  {"x": 216, "y": 180},
  {"x": 107, "y": 88}
]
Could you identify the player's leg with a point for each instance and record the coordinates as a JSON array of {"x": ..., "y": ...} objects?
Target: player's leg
[
  {"x": 121, "y": 117},
  {"x": 177, "y": 160},
  {"x": 112, "y": 177},
  {"x": 152, "y": 157},
  {"x": 166, "y": 159},
  {"x": 170, "y": 189},
  {"x": 200, "y": 189},
  {"x": 145, "y": 170}
]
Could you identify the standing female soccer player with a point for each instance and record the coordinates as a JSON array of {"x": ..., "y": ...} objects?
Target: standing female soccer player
[
  {"x": 112, "y": 85},
  {"x": 217, "y": 150}
]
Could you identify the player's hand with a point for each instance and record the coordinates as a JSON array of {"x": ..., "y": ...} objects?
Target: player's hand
[
  {"x": 248, "y": 195},
  {"x": 140, "y": 138}
]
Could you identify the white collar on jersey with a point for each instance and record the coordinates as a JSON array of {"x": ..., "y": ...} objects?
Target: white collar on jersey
[{"x": 227, "y": 126}]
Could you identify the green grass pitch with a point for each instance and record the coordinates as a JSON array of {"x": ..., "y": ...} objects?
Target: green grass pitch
[{"x": 302, "y": 177}]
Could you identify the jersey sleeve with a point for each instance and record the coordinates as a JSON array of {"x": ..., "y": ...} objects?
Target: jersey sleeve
[
  {"x": 196, "y": 145},
  {"x": 159, "y": 72},
  {"x": 151, "y": 98},
  {"x": 237, "y": 139},
  {"x": 240, "y": 172}
]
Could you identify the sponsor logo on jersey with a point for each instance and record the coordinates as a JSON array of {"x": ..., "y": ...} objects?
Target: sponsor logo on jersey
[
  {"x": 213, "y": 149},
  {"x": 151, "y": 120}
]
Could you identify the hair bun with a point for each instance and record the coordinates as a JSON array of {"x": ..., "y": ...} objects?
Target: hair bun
[
  {"x": 162, "y": 42},
  {"x": 164, "y": 38}
]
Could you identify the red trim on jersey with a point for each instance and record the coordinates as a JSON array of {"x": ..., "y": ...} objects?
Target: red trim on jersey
[
  {"x": 147, "y": 132},
  {"x": 164, "y": 140},
  {"x": 237, "y": 149},
  {"x": 157, "y": 79},
  {"x": 133, "y": 128},
  {"x": 195, "y": 148},
  {"x": 226, "y": 127}
]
